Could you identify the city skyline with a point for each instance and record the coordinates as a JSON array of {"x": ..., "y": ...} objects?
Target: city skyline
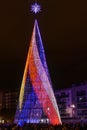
[{"x": 63, "y": 28}]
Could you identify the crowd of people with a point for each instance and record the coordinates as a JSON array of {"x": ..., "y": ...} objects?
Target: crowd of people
[{"x": 64, "y": 126}]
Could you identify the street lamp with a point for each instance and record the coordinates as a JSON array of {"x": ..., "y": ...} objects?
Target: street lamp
[
  {"x": 72, "y": 106},
  {"x": 70, "y": 110}
]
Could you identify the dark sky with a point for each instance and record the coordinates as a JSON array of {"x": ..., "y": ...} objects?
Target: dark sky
[{"x": 63, "y": 26}]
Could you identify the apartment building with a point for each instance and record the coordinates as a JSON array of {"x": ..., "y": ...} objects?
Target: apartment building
[
  {"x": 72, "y": 102},
  {"x": 8, "y": 99},
  {"x": 1, "y": 100}
]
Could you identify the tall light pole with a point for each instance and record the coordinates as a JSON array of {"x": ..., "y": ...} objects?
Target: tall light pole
[{"x": 72, "y": 106}]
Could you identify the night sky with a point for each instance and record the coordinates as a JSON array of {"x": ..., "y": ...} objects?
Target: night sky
[{"x": 63, "y": 27}]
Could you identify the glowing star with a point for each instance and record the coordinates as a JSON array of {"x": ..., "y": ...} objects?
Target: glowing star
[{"x": 35, "y": 8}]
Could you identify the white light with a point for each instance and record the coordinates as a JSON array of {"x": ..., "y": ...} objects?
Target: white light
[
  {"x": 41, "y": 120},
  {"x": 47, "y": 119},
  {"x": 3, "y": 121},
  {"x": 72, "y": 106},
  {"x": 48, "y": 108},
  {"x": 80, "y": 98},
  {"x": 35, "y": 8}
]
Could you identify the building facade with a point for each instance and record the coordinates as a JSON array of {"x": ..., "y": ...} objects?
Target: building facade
[
  {"x": 1, "y": 100},
  {"x": 8, "y": 99},
  {"x": 8, "y": 104},
  {"x": 80, "y": 101},
  {"x": 72, "y": 102}
]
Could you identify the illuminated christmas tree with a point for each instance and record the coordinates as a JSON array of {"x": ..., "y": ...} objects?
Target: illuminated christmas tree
[{"x": 37, "y": 102}]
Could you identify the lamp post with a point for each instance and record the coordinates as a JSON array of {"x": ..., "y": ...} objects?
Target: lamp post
[{"x": 72, "y": 106}]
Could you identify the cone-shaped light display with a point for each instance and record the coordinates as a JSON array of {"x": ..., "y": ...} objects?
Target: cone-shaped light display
[{"x": 36, "y": 100}]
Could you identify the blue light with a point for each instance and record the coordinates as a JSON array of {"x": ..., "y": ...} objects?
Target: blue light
[{"x": 35, "y": 8}]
